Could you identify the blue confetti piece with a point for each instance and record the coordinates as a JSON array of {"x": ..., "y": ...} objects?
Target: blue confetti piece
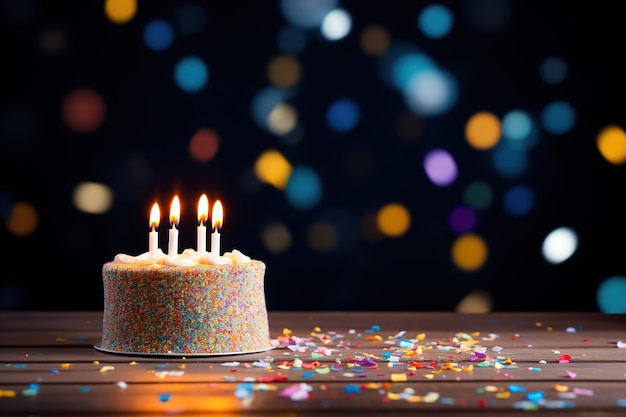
[
  {"x": 20, "y": 366},
  {"x": 55, "y": 371},
  {"x": 516, "y": 388},
  {"x": 84, "y": 389},
  {"x": 621, "y": 402},
  {"x": 164, "y": 397},
  {"x": 308, "y": 374},
  {"x": 165, "y": 365},
  {"x": 376, "y": 327},
  {"x": 535, "y": 369},
  {"x": 81, "y": 339},
  {"x": 352, "y": 389},
  {"x": 535, "y": 396}
]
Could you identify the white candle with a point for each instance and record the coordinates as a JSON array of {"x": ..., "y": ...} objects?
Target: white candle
[
  {"x": 203, "y": 215},
  {"x": 153, "y": 236},
  {"x": 217, "y": 218},
  {"x": 174, "y": 217}
]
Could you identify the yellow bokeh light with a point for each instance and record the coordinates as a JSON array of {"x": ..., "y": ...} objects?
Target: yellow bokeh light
[
  {"x": 478, "y": 301},
  {"x": 375, "y": 40},
  {"x": 393, "y": 220},
  {"x": 483, "y": 130},
  {"x": 469, "y": 252},
  {"x": 284, "y": 71},
  {"x": 23, "y": 219},
  {"x": 276, "y": 237},
  {"x": 92, "y": 197},
  {"x": 611, "y": 143},
  {"x": 273, "y": 168},
  {"x": 120, "y": 11}
]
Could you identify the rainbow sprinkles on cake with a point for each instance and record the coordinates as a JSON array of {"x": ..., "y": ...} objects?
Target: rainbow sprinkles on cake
[{"x": 197, "y": 302}]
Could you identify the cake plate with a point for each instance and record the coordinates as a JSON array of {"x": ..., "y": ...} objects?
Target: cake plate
[{"x": 181, "y": 355}]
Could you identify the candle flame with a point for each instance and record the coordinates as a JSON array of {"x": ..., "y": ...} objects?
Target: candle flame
[
  {"x": 155, "y": 217},
  {"x": 218, "y": 215},
  {"x": 175, "y": 211},
  {"x": 203, "y": 209}
]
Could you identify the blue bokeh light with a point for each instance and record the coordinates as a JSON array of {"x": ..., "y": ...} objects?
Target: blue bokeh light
[
  {"x": 435, "y": 21},
  {"x": 518, "y": 200},
  {"x": 304, "y": 188},
  {"x": 158, "y": 35},
  {"x": 408, "y": 66},
  {"x": 191, "y": 74},
  {"x": 558, "y": 117},
  {"x": 553, "y": 70},
  {"x": 509, "y": 161},
  {"x": 343, "y": 115},
  {"x": 611, "y": 295}
]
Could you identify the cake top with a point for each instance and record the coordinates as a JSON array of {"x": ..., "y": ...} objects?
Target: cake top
[{"x": 189, "y": 257}]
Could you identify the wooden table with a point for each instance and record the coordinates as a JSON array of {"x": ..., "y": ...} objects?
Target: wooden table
[{"x": 361, "y": 363}]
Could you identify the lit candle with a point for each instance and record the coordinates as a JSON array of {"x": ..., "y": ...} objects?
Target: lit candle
[
  {"x": 174, "y": 217},
  {"x": 153, "y": 236},
  {"x": 203, "y": 215},
  {"x": 217, "y": 217}
]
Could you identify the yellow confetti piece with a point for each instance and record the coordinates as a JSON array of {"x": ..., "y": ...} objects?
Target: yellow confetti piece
[
  {"x": 414, "y": 399},
  {"x": 398, "y": 377},
  {"x": 322, "y": 370},
  {"x": 429, "y": 376},
  {"x": 549, "y": 328},
  {"x": 7, "y": 393},
  {"x": 538, "y": 324},
  {"x": 317, "y": 330},
  {"x": 468, "y": 368},
  {"x": 286, "y": 332},
  {"x": 561, "y": 388},
  {"x": 372, "y": 385},
  {"x": 181, "y": 366},
  {"x": 503, "y": 395},
  {"x": 421, "y": 336},
  {"x": 491, "y": 388},
  {"x": 393, "y": 396},
  {"x": 374, "y": 338},
  {"x": 430, "y": 397},
  {"x": 65, "y": 365},
  {"x": 61, "y": 340},
  {"x": 107, "y": 368},
  {"x": 284, "y": 367},
  {"x": 133, "y": 363},
  {"x": 498, "y": 365},
  {"x": 475, "y": 334},
  {"x": 96, "y": 362}
]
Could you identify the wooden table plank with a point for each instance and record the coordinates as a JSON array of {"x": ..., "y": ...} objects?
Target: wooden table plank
[{"x": 54, "y": 351}]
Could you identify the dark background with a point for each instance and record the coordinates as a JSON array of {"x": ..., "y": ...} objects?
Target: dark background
[{"x": 149, "y": 122}]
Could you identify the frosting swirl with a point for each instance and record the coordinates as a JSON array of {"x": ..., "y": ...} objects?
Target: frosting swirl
[{"x": 189, "y": 257}]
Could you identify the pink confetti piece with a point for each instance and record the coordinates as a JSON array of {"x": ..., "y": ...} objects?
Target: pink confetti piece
[
  {"x": 583, "y": 391},
  {"x": 571, "y": 374}
]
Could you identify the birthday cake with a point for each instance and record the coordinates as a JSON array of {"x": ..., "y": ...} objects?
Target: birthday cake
[{"x": 196, "y": 303}]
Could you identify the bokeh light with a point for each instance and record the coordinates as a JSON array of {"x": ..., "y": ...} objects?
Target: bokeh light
[
  {"x": 284, "y": 71},
  {"x": 336, "y": 25},
  {"x": 191, "y": 74},
  {"x": 92, "y": 197},
  {"x": 23, "y": 219},
  {"x": 558, "y": 117},
  {"x": 483, "y": 130},
  {"x": 276, "y": 237},
  {"x": 83, "y": 110},
  {"x": 559, "y": 245},
  {"x": 282, "y": 119},
  {"x": 611, "y": 143},
  {"x": 435, "y": 21},
  {"x": 469, "y": 252},
  {"x": 553, "y": 70},
  {"x": 158, "y": 35},
  {"x": 322, "y": 237},
  {"x": 264, "y": 102},
  {"x": 120, "y": 11},
  {"x": 204, "y": 144},
  {"x": 462, "y": 219},
  {"x": 304, "y": 188},
  {"x": 305, "y": 13},
  {"x": 393, "y": 219},
  {"x": 375, "y": 40},
  {"x": 273, "y": 168},
  {"x": 518, "y": 130},
  {"x": 440, "y": 167},
  {"x": 292, "y": 40},
  {"x": 343, "y": 115},
  {"x": 518, "y": 200},
  {"x": 431, "y": 93},
  {"x": 611, "y": 295},
  {"x": 509, "y": 161},
  {"x": 478, "y": 301},
  {"x": 478, "y": 194}
]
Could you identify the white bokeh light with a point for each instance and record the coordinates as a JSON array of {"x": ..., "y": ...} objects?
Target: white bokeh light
[
  {"x": 559, "y": 245},
  {"x": 336, "y": 25}
]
